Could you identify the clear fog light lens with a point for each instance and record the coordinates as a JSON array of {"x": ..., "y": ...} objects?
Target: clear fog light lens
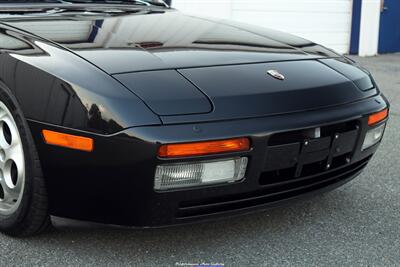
[
  {"x": 199, "y": 173},
  {"x": 373, "y": 136}
]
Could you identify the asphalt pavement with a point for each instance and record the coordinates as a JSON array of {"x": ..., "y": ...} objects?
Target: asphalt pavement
[{"x": 355, "y": 225}]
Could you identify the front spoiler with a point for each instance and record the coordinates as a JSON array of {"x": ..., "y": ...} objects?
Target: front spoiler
[{"x": 247, "y": 211}]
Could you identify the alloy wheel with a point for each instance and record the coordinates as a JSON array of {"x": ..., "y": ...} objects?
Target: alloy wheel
[{"x": 12, "y": 163}]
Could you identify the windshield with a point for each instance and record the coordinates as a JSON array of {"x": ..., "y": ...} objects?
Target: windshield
[{"x": 125, "y": 2}]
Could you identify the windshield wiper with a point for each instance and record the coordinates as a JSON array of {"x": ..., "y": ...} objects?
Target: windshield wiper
[
  {"x": 21, "y": 7},
  {"x": 134, "y": 2}
]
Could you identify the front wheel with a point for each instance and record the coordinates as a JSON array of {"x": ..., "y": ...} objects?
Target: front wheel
[{"x": 23, "y": 198}]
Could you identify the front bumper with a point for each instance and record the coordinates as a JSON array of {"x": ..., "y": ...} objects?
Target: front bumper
[{"x": 114, "y": 184}]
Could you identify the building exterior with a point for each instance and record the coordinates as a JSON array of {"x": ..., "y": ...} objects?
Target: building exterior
[{"x": 364, "y": 27}]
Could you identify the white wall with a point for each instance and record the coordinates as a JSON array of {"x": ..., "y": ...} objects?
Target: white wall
[
  {"x": 327, "y": 22},
  {"x": 369, "y": 27}
]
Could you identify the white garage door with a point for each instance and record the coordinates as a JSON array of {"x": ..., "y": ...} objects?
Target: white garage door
[{"x": 327, "y": 22}]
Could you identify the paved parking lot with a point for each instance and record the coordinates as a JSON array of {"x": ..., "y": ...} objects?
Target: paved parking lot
[{"x": 355, "y": 225}]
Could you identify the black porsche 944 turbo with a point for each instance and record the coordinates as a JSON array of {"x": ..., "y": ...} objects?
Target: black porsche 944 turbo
[{"x": 132, "y": 113}]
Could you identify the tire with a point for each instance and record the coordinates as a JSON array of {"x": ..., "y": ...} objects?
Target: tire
[{"x": 23, "y": 197}]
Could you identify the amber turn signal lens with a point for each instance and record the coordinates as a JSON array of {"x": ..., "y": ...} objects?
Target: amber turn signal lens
[
  {"x": 204, "y": 148},
  {"x": 68, "y": 140},
  {"x": 377, "y": 117}
]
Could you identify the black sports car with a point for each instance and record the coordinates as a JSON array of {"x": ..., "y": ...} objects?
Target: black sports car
[{"x": 132, "y": 113}]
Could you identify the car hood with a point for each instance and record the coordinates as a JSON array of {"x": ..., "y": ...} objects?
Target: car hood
[
  {"x": 190, "y": 69},
  {"x": 168, "y": 39}
]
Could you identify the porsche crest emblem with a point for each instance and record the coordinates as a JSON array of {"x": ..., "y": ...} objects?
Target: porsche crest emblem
[{"x": 276, "y": 74}]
